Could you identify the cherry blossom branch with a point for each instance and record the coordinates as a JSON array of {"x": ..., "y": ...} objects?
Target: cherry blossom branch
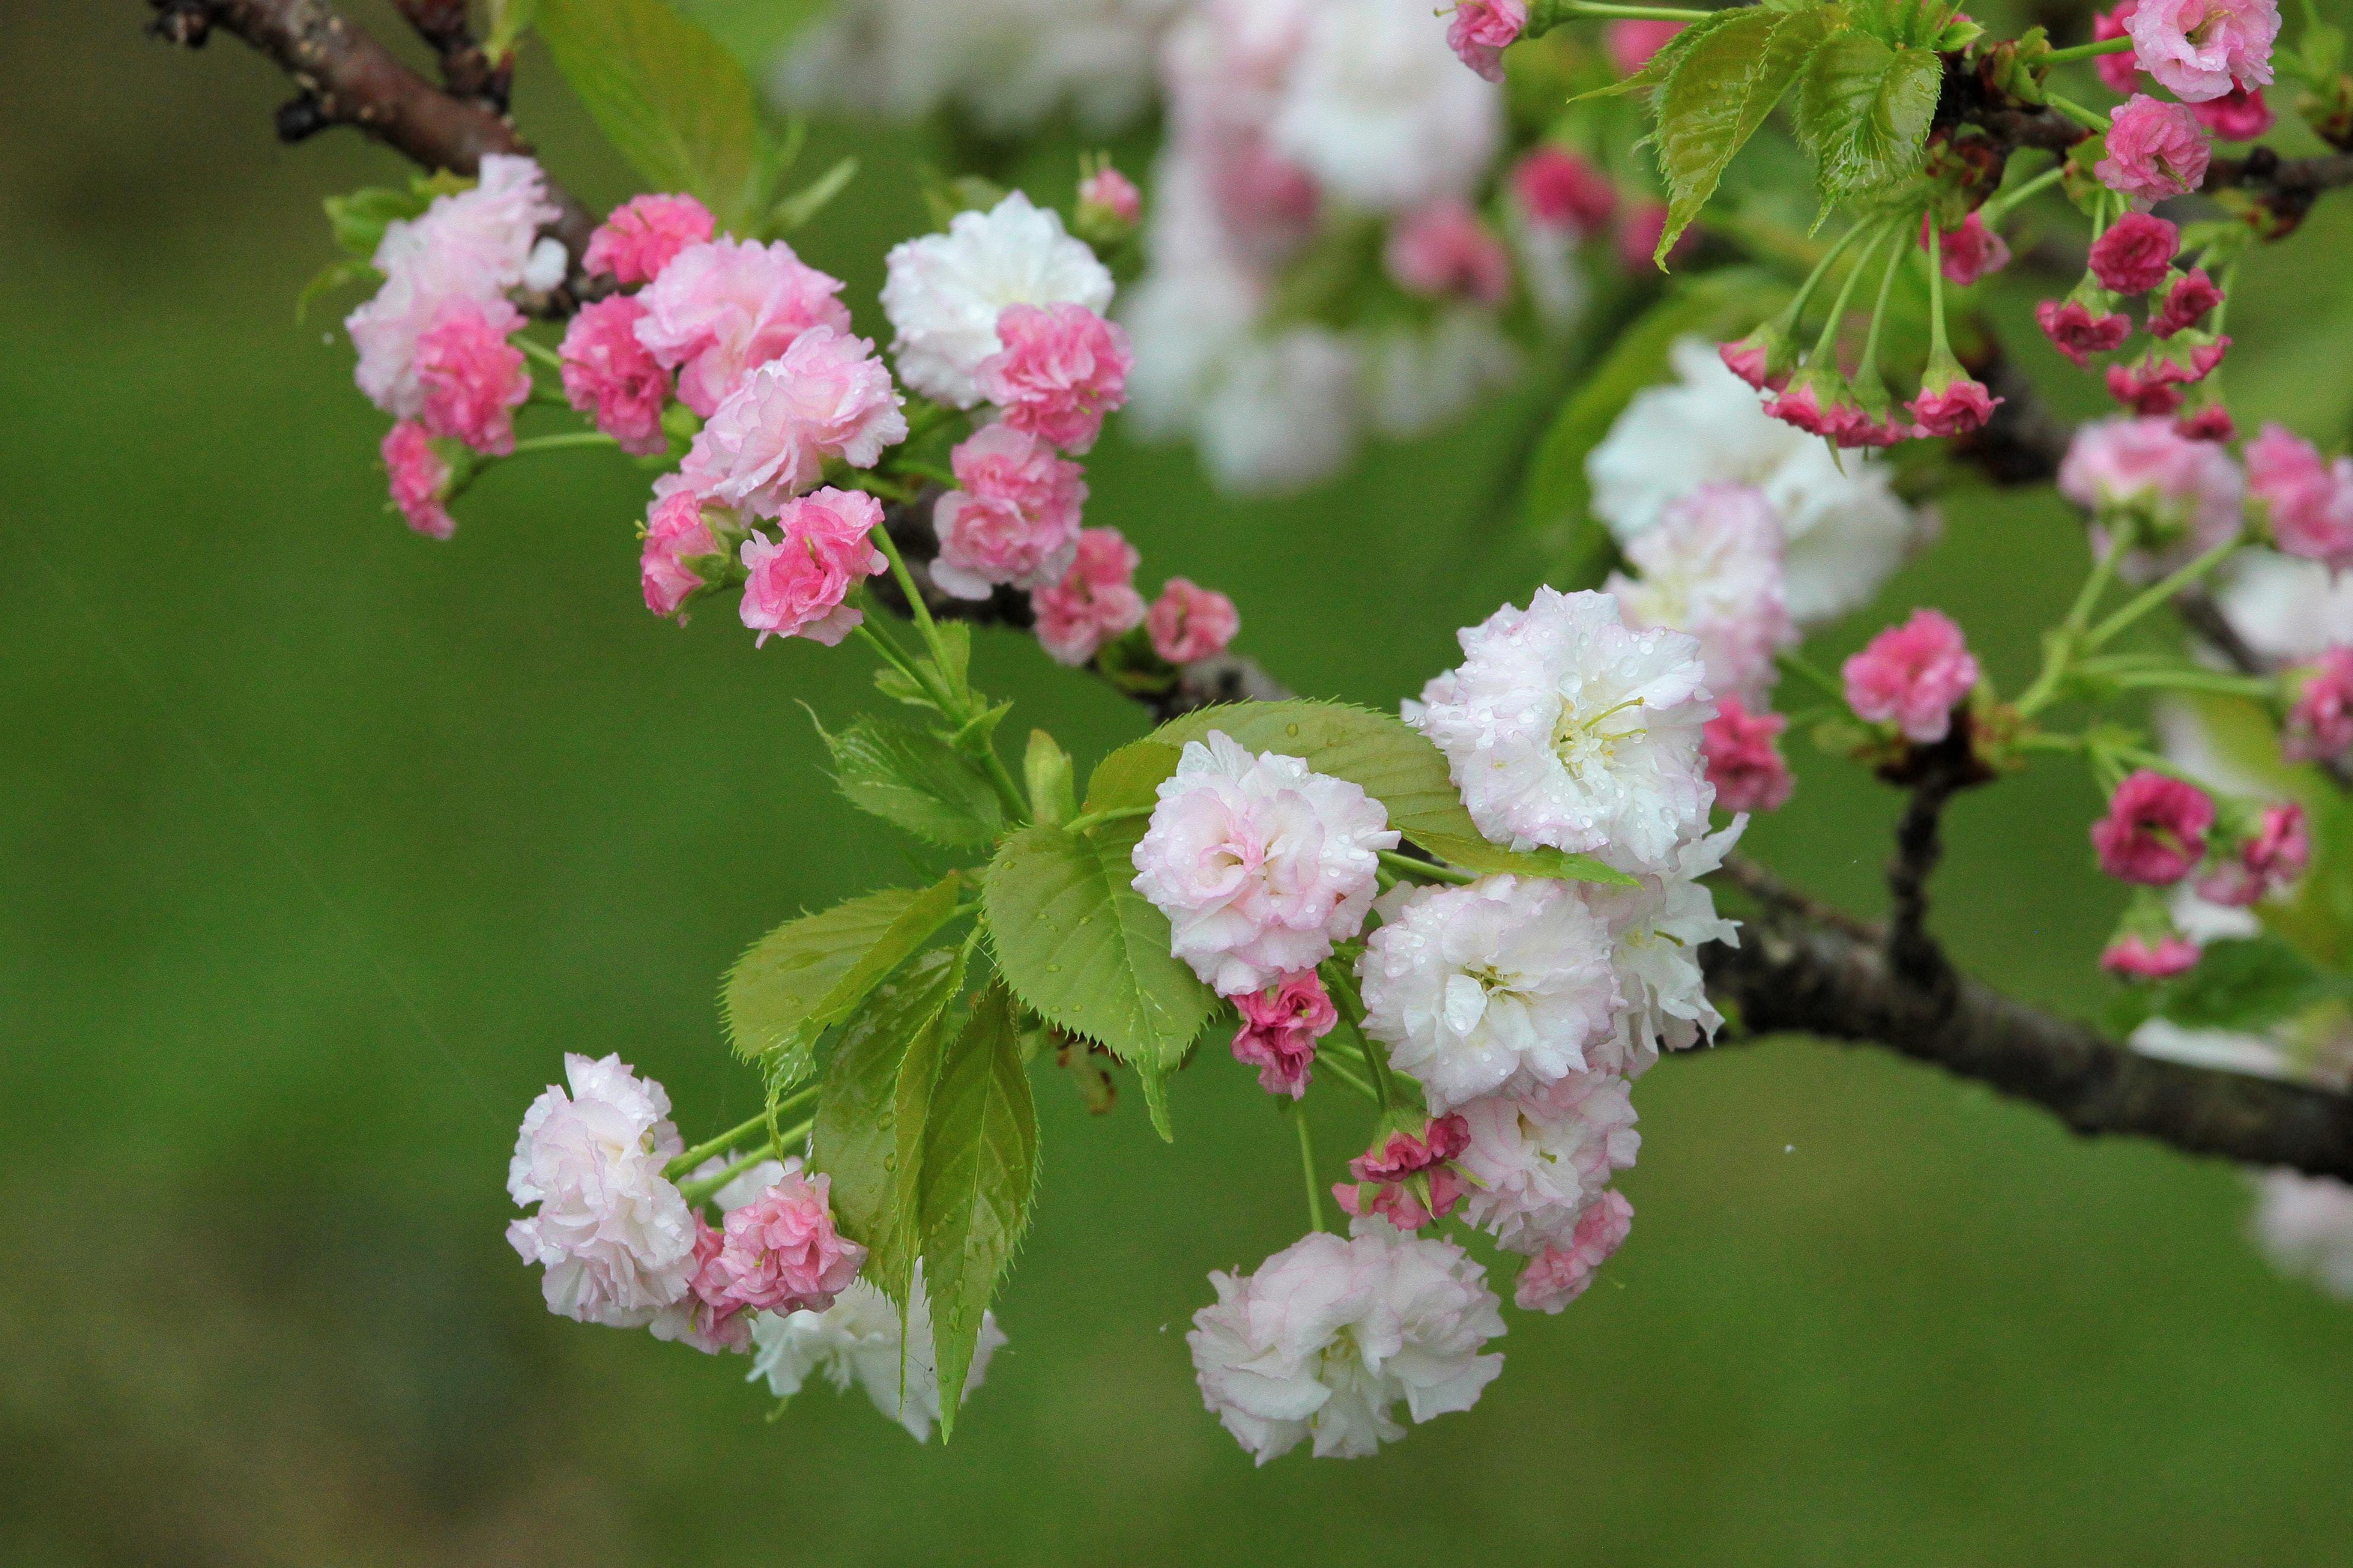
[
  {"x": 466, "y": 70},
  {"x": 1936, "y": 773}
]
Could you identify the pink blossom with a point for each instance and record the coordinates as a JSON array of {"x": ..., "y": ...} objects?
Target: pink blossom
[
  {"x": 2154, "y": 149},
  {"x": 721, "y": 309},
  {"x": 1558, "y": 189},
  {"x": 1716, "y": 567},
  {"x": 2075, "y": 332},
  {"x": 2239, "y": 115},
  {"x": 2263, "y": 865},
  {"x": 1015, "y": 519},
  {"x": 2307, "y": 501},
  {"x": 704, "y": 1318},
  {"x": 1390, "y": 1169},
  {"x": 1481, "y": 30},
  {"x": 828, "y": 396},
  {"x": 2212, "y": 423},
  {"x": 1112, "y": 194},
  {"x": 797, "y": 584},
  {"x": 2138, "y": 957},
  {"x": 2320, "y": 724},
  {"x": 471, "y": 378},
  {"x": 643, "y": 235},
  {"x": 1744, "y": 758},
  {"x": 1560, "y": 1275},
  {"x": 676, "y": 533},
  {"x": 1750, "y": 359},
  {"x": 1639, "y": 229},
  {"x": 1960, "y": 405},
  {"x": 1441, "y": 249},
  {"x": 2185, "y": 304},
  {"x": 1970, "y": 252},
  {"x": 783, "y": 1253},
  {"x": 2186, "y": 493},
  {"x": 2120, "y": 73},
  {"x": 420, "y": 479},
  {"x": 2203, "y": 49},
  {"x": 1280, "y": 1027},
  {"x": 610, "y": 376},
  {"x": 1189, "y": 622},
  {"x": 1631, "y": 44},
  {"x": 1541, "y": 1158},
  {"x": 2135, "y": 254},
  {"x": 2141, "y": 389},
  {"x": 1062, "y": 369},
  {"x": 2155, "y": 831},
  {"x": 1095, "y": 601},
  {"x": 1912, "y": 676},
  {"x": 1814, "y": 401}
]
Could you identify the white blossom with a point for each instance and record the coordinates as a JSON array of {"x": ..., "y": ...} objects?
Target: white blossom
[
  {"x": 1847, "y": 531},
  {"x": 1713, "y": 567},
  {"x": 1281, "y": 412},
  {"x": 1538, "y": 1160},
  {"x": 2286, "y": 609},
  {"x": 1331, "y": 1333},
  {"x": 1564, "y": 728},
  {"x": 1501, "y": 986},
  {"x": 2304, "y": 1226},
  {"x": 1656, "y": 929},
  {"x": 1418, "y": 379},
  {"x": 944, "y": 292},
  {"x": 857, "y": 1340},
  {"x": 1381, "y": 112}
]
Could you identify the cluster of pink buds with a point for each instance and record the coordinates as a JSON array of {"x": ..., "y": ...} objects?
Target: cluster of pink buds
[
  {"x": 2162, "y": 831},
  {"x": 2137, "y": 256}
]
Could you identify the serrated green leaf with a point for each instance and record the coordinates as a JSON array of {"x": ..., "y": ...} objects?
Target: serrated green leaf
[
  {"x": 1718, "y": 93},
  {"x": 810, "y": 974},
  {"x": 668, "y": 96},
  {"x": 1131, "y": 775},
  {"x": 979, "y": 1173},
  {"x": 1863, "y": 110},
  {"x": 913, "y": 779},
  {"x": 1660, "y": 66},
  {"x": 1085, "y": 952}
]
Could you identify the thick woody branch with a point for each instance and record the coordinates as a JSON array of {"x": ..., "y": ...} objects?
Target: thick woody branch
[
  {"x": 466, "y": 70},
  {"x": 1933, "y": 774}
]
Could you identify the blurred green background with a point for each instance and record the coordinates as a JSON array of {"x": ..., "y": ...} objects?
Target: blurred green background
[{"x": 323, "y": 843}]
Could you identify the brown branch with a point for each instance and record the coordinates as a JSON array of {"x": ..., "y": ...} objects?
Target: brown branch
[
  {"x": 1934, "y": 774},
  {"x": 466, "y": 70},
  {"x": 2284, "y": 188}
]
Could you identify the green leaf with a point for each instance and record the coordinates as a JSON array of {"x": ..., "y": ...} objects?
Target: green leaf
[
  {"x": 510, "y": 20},
  {"x": 668, "y": 96},
  {"x": 1661, "y": 65},
  {"x": 811, "y": 199},
  {"x": 979, "y": 1171},
  {"x": 1083, "y": 949},
  {"x": 871, "y": 1118},
  {"x": 913, "y": 779},
  {"x": 1131, "y": 776},
  {"x": 1719, "y": 93},
  {"x": 2239, "y": 986},
  {"x": 755, "y": 31},
  {"x": 357, "y": 221},
  {"x": 1864, "y": 111},
  {"x": 334, "y": 276},
  {"x": 808, "y": 975},
  {"x": 1046, "y": 773}
]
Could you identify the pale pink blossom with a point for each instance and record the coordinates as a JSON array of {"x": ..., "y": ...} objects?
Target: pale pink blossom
[
  {"x": 1714, "y": 567},
  {"x": 1560, "y": 1275},
  {"x": 2263, "y": 865},
  {"x": 783, "y": 1253},
  {"x": 2119, "y": 73},
  {"x": 1912, "y": 676},
  {"x": 798, "y": 582},
  {"x": 2202, "y": 49},
  {"x": 2182, "y": 495},
  {"x": 2154, "y": 149},
  {"x": 2135, "y": 254},
  {"x": 1062, "y": 367},
  {"x": 609, "y": 375},
  {"x": 2320, "y": 724},
  {"x": 677, "y": 533},
  {"x": 644, "y": 235},
  {"x": 2239, "y": 115},
  {"x": 1095, "y": 601},
  {"x": 470, "y": 379},
  {"x": 1112, "y": 194},
  {"x": 1558, "y": 189},
  {"x": 826, "y": 397},
  {"x": 1015, "y": 519},
  {"x": 1744, "y": 758},
  {"x": 1260, "y": 863},
  {"x": 420, "y": 479},
  {"x": 704, "y": 1318},
  {"x": 1442, "y": 250},
  {"x": 1631, "y": 43},
  {"x": 1481, "y": 30},
  {"x": 1537, "y": 1160},
  {"x": 1280, "y": 1027},
  {"x": 2075, "y": 332},
  {"x": 1189, "y": 622},
  {"x": 2155, "y": 831},
  {"x": 1970, "y": 252},
  {"x": 2307, "y": 500},
  {"x": 2140, "y": 958},
  {"x": 725, "y": 307}
]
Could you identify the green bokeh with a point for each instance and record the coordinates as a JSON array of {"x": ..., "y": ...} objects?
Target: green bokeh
[{"x": 322, "y": 843}]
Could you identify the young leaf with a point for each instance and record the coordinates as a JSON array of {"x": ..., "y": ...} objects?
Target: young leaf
[
  {"x": 1863, "y": 112},
  {"x": 668, "y": 95},
  {"x": 357, "y": 221},
  {"x": 1046, "y": 770},
  {"x": 914, "y": 780},
  {"x": 979, "y": 1169},
  {"x": 811, "y": 199},
  {"x": 1719, "y": 93},
  {"x": 808, "y": 975},
  {"x": 1660, "y": 66},
  {"x": 1131, "y": 775}
]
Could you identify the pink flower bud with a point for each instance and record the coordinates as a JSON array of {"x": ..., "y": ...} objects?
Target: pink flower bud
[
  {"x": 798, "y": 582},
  {"x": 1481, "y": 30},
  {"x": 1188, "y": 622},
  {"x": 2239, "y": 115},
  {"x": 2155, "y": 831},
  {"x": 2212, "y": 423},
  {"x": 1280, "y": 1027},
  {"x": 420, "y": 479},
  {"x": 1108, "y": 195},
  {"x": 676, "y": 534},
  {"x": 1952, "y": 401},
  {"x": 1970, "y": 252},
  {"x": 2075, "y": 332},
  {"x": 1095, "y": 601},
  {"x": 1744, "y": 758},
  {"x": 611, "y": 378},
  {"x": 1388, "y": 1168},
  {"x": 2156, "y": 150},
  {"x": 2320, "y": 724},
  {"x": 1442, "y": 250},
  {"x": 2139, "y": 958},
  {"x": 1818, "y": 402},
  {"x": 1558, "y": 189},
  {"x": 2133, "y": 255},
  {"x": 2263, "y": 865},
  {"x": 2142, "y": 389},
  {"x": 2184, "y": 304},
  {"x": 643, "y": 235},
  {"x": 1062, "y": 369},
  {"x": 1912, "y": 676},
  {"x": 472, "y": 380}
]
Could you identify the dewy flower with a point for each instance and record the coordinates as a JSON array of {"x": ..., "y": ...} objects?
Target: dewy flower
[
  {"x": 782, "y": 1252},
  {"x": 1970, "y": 252},
  {"x": 1015, "y": 519},
  {"x": 611, "y": 377},
  {"x": 2307, "y": 500},
  {"x": 703, "y": 1318},
  {"x": 1188, "y": 622},
  {"x": 1062, "y": 369},
  {"x": 1331, "y": 1333},
  {"x": 1538, "y": 1161},
  {"x": 2076, "y": 332},
  {"x": 2154, "y": 149},
  {"x": 826, "y": 397},
  {"x": 2155, "y": 831},
  {"x": 1481, "y": 30},
  {"x": 1559, "y": 1274},
  {"x": 1501, "y": 985},
  {"x": 2320, "y": 724},
  {"x": 721, "y": 309},
  {"x": 1095, "y": 601},
  {"x": 2239, "y": 115},
  {"x": 2264, "y": 864},
  {"x": 1563, "y": 728},
  {"x": 1280, "y": 1027},
  {"x": 615, "y": 1237},
  {"x": 2202, "y": 49},
  {"x": 946, "y": 292},
  {"x": 470, "y": 379},
  {"x": 1744, "y": 758},
  {"x": 2135, "y": 254},
  {"x": 1560, "y": 190},
  {"x": 1442, "y": 250},
  {"x": 857, "y": 1340},
  {"x": 1912, "y": 676},
  {"x": 2181, "y": 497},
  {"x": 644, "y": 235},
  {"x": 420, "y": 479},
  {"x": 677, "y": 533},
  {"x": 1712, "y": 568},
  {"x": 1631, "y": 44},
  {"x": 797, "y": 584},
  {"x": 2144, "y": 958},
  {"x": 2119, "y": 73},
  {"x": 1260, "y": 863}
]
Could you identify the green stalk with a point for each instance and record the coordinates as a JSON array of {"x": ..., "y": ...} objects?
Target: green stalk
[
  {"x": 1824, "y": 343},
  {"x": 1868, "y": 366},
  {"x": 2090, "y": 120},
  {"x": 1813, "y": 280},
  {"x": 1307, "y": 1165},
  {"x": 562, "y": 442},
  {"x": 687, "y": 1161},
  {"x": 2151, "y": 597},
  {"x": 2003, "y": 205},
  {"x": 697, "y": 1193},
  {"x": 2062, "y": 645},
  {"x": 1425, "y": 870},
  {"x": 1635, "y": 12},
  {"x": 2085, "y": 52}
]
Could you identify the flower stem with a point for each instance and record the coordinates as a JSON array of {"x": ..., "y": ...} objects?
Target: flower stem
[
  {"x": 1307, "y": 1166},
  {"x": 1097, "y": 819},
  {"x": 1425, "y": 870},
  {"x": 562, "y": 442},
  {"x": 2085, "y": 52},
  {"x": 1635, "y": 12},
  {"x": 2091, "y": 120},
  {"x": 540, "y": 351},
  {"x": 1822, "y": 268},
  {"x": 687, "y": 1161},
  {"x": 1824, "y": 343},
  {"x": 2157, "y": 594},
  {"x": 2061, "y": 646},
  {"x": 1868, "y": 366},
  {"x": 698, "y": 1194},
  {"x": 1939, "y": 347},
  {"x": 2001, "y": 207}
]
